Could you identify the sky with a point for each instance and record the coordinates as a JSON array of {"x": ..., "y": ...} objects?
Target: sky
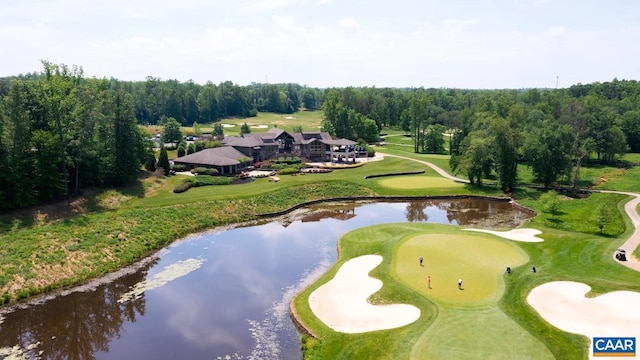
[{"x": 471, "y": 44}]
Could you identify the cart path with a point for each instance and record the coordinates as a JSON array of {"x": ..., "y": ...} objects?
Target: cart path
[
  {"x": 438, "y": 169},
  {"x": 630, "y": 208},
  {"x": 632, "y": 243}
]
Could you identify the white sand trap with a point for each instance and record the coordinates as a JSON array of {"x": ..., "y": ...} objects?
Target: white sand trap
[
  {"x": 259, "y": 126},
  {"x": 342, "y": 302},
  {"x": 524, "y": 234},
  {"x": 563, "y": 304},
  {"x": 228, "y": 125},
  {"x": 289, "y": 117}
]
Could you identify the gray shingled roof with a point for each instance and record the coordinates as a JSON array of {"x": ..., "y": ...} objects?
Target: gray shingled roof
[
  {"x": 345, "y": 142},
  {"x": 268, "y": 138},
  {"x": 220, "y": 156}
]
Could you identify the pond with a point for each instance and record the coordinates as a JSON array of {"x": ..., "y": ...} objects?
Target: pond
[{"x": 218, "y": 294}]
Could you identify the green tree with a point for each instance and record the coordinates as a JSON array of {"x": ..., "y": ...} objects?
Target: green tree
[
  {"x": 507, "y": 141},
  {"x": 244, "y": 129},
  {"x": 163, "y": 161},
  {"x": 474, "y": 159},
  {"x": 191, "y": 149},
  {"x": 150, "y": 164},
  {"x": 197, "y": 129},
  {"x": 218, "y": 130},
  {"x": 574, "y": 114},
  {"x": 550, "y": 204},
  {"x": 629, "y": 123},
  {"x": 171, "y": 132},
  {"x": 128, "y": 148},
  {"x": 615, "y": 145},
  {"x": 547, "y": 150},
  {"x": 434, "y": 141}
]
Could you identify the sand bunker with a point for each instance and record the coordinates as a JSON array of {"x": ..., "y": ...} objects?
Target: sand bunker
[
  {"x": 342, "y": 302},
  {"x": 259, "y": 126},
  {"x": 228, "y": 125},
  {"x": 563, "y": 304},
  {"x": 524, "y": 234}
]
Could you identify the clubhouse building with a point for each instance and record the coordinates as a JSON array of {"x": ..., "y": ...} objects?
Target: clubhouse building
[{"x": 239, "y": 152}]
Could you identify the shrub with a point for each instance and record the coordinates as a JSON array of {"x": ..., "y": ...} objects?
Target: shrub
[
  {"x": 179, "y": 167},
  {"x": 203, "y": 180},
  {"x": 370, "y": 151},
  {"x": 288, "y": 161},
  {"x": 289, "y": 170},
  {"x": 181, "y": 150},
  {"x": 200, "y": 145},
  {"x": 185, "y": 185},
  {"x": 205, "y": 171}
]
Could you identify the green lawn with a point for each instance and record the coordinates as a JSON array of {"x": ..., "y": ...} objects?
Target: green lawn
[
  {"x": 490, "y": 317},
  {"x": 117, "y": 227}
]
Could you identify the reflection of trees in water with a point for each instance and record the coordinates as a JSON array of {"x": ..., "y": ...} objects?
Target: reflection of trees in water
[
  {"x": 468, "y": 212},
  {"x": 77, "y": 325},
  {"x": 415, "y": 211}
]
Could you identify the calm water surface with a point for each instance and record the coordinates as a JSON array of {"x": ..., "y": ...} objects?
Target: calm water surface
[{"x": 219, "y": 294}]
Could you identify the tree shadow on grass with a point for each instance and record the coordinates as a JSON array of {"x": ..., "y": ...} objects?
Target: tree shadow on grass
[{"x": 87, "y": 201}]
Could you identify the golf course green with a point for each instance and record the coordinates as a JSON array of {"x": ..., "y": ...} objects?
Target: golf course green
[{"x": 487, "y": 319}]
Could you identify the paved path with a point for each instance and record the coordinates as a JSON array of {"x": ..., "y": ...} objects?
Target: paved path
[
  {"x": 630, "y": 208},
  {"x": 439, "y": 170},
  {"x": 632, "y": 243}
]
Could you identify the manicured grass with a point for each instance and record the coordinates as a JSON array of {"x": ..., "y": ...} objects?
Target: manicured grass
[
  {"x": 494, "y": 320},
  {"x": 578, "y": 215},
  {"x": 479, "y": 260},
  {"x": 123, "y": 225},
  {"x": 418, "y": 182},
  {"x": 308, "y": 120},
  {"x": 441, "y": 161}
]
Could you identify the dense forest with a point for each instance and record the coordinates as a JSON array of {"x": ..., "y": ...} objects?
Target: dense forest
[
  {"x": 61, "y": 132},
  {"x": 554, "y": 131}
]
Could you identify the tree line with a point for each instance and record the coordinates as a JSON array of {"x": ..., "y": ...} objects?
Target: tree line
[
  {"x": 61, "y": 132},
  {"x": 554, "y": 131}
]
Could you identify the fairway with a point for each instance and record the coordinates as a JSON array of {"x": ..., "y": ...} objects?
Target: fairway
[
  {"x": 479, "y": 260},
  {"x": 418, "y": 182}
]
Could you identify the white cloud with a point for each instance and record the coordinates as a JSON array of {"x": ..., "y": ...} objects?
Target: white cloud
[
  {"x": 349, "y": 23},
  {"x": 317, "y": 44},
  {"x": 263, "y": 5}
]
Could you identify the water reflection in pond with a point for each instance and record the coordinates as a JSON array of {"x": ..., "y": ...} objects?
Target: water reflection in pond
[{"x": 232, "y": 299}]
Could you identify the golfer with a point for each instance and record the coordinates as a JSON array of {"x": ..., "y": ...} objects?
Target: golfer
[
  {"x": 420, "y": 258},
  {"x": 460, "y": 283}
]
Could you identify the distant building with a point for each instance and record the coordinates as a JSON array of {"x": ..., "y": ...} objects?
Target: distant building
[{"x": 239, "y": 152}]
